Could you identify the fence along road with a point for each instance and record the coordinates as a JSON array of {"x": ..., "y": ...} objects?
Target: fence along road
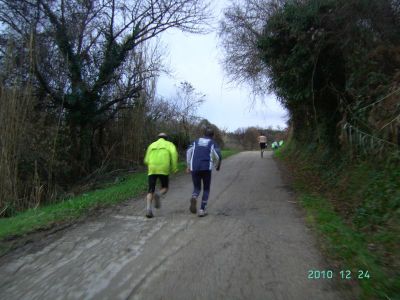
[{"x": 254, "y": 244}]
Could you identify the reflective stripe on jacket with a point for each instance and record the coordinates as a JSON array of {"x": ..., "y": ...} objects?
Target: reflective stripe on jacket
[{"x": 202, "y": 155}]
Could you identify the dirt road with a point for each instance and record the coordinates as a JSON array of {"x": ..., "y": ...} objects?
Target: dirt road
[{"x": 253, "y": 244}]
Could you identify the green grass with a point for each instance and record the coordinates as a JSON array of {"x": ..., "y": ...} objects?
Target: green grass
[
  {"x": 354, "y": 205},
  {"x": 72, "y": 208},
  {"x": 75, "y": 207},
  {"x": 228, "y": 152},
  {"x": 348, "y": 247}
]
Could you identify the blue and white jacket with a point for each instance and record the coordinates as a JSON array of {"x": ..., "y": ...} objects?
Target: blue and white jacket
[{"x": 202, "y": 154}]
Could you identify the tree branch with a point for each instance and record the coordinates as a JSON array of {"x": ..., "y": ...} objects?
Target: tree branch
[
  {"x": 129, "y": 94},
  {"x": 64, "y": 45}
]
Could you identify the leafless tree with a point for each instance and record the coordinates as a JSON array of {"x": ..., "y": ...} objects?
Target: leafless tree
[
  {"x": 187, "y": 100},
  {"x": 239, "y": 33},
  {"x": 85, "y": 54},
  {"x": 186, "y": 103}
]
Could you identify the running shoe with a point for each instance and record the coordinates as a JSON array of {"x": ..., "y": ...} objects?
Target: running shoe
[
  {"x": 149, "y": 213},
  {"x": 157, "y": 202},
  {"x": 193, "y": 205},
  {"x": 202, "y": 212}
]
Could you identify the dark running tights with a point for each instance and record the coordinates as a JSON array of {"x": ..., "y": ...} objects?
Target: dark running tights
[{"x": 197, "y": 178}]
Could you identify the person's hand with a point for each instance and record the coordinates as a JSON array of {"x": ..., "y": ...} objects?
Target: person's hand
[
  {"x": 187, "y": 170},
  {"x": 217, "y": 168}
]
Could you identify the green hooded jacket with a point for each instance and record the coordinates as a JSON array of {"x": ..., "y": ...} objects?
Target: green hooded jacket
[{"x": 161, "y": 157}]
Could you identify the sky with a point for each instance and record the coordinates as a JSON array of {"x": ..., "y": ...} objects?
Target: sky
[{"x": 196, "y": 59}]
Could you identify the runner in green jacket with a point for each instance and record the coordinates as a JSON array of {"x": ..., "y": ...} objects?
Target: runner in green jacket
[{"x": 161, "y": 158}]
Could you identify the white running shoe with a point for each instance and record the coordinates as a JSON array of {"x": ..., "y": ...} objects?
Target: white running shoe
[{"x": 202, "y": 212}]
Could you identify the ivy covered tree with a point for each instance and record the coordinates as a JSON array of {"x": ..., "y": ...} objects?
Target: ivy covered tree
[{"x": 324, "y": 59}]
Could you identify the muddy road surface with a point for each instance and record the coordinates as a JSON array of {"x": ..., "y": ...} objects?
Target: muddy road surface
[{"x": 253, "y": 244}]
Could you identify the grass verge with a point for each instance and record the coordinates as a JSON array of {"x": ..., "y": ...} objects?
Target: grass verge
[
  {"x": 354, "y": 263},
  {"x": 75, "y": 207},
  {"x": 354, "y": 207}
]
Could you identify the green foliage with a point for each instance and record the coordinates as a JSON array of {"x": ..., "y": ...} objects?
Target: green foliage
[
  {"x": 326, "y": 57},
  {"x": 228, "y": 152},
  {"x": 346, "y": 55},
  {"x": 72, "y": 208},
  {"x": 381, "y": 196},
  {"x": 349, "y": 247},
  {"x": 356, "y": 207}
]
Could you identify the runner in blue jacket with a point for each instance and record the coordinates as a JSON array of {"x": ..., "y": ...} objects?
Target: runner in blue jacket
[{"x": 201, "y": 156}]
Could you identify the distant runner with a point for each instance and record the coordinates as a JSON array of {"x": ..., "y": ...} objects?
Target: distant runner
[
  {"x": 200, "y": 158},
  {"x": 161, "y": 158},
  {"x": 262, "y": 140}
]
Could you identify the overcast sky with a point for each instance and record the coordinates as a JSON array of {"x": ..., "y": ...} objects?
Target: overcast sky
[{"x": 196, "y": 59}]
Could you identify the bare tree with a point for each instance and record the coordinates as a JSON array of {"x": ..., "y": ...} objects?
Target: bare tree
[
  {"x": 84, "y": 53},
  {"x": 240, "y": 32},
  {"x": 187, "y": 100},
  {"x": 186, "y": 103}
]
